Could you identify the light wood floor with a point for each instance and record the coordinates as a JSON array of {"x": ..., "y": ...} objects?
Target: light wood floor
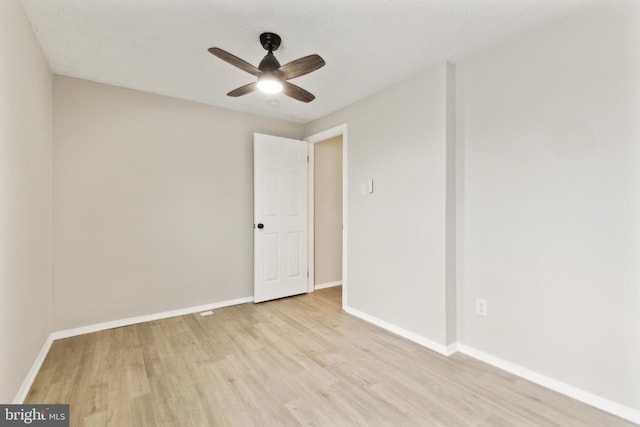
[{"x": 290, "y": 362}]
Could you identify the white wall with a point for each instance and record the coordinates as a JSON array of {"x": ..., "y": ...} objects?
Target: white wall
[
  {"x": 153, "y": 202},
  {"x": 25, "y": 198},
  {"x": 396, "y": 236},
  {"x": 552, "y": 201},
  {"x": 328, "y": 211}
]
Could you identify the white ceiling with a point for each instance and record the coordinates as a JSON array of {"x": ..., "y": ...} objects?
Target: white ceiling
[{"x": 160, "y": 46}]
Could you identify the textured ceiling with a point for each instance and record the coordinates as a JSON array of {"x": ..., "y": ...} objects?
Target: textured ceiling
[{"x": 160, "y": 46}]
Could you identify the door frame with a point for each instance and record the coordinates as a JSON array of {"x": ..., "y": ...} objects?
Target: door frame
[{"x": 340, "y": 130}]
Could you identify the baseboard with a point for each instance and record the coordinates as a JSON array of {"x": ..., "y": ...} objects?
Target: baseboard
[
  {"x": 606, "y": 405},
  {"x": 33, "y": 372},
  {"x": 327, "y": 285},
  {"x": 66, "y": 333},
  {"x": 411, "y": 336}
]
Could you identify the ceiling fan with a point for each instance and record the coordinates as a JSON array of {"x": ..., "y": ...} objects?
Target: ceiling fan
[{"x": 272, "y": 77}]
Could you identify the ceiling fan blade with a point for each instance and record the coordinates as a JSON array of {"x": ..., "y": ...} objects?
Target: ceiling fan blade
[
  {"x": 235, "y": 61},
  {"x": 243, "y": 90},
  {"x": 296, "y": 92},
  {"x": 299, "y": 67}
]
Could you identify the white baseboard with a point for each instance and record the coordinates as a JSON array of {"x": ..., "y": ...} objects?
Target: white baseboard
[
  {"x": 425, "y": 342},
  {"x": 33, "y": 372},
  {"x": 37, "y": 364},
  {"x": 606, "y": 405},
  {"x": 66, "y": 333},
  {"x": 327, "y": 285}
]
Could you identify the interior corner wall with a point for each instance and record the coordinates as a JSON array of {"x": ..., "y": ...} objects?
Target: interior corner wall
[
  {"x": 153, "y": 202},
  {"x": 552, "y": 201},
  {"x": 25, "y": 198},
  {"x": 396, "y": 235}
]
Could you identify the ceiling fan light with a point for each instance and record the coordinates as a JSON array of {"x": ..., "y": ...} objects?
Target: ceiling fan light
[{"x": 269, "y": 84}]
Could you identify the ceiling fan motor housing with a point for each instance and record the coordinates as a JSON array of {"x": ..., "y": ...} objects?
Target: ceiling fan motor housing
[
  {"x": 270, "y": 42},
  {"x": 269, "y": 63}
]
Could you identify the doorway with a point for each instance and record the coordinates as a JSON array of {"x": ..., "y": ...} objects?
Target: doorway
[
  {"x": 328, "y": 209},
  {"x": 328, "y": 213}
]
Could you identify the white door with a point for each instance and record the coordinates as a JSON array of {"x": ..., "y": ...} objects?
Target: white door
[{"x": 280, "y": 217}]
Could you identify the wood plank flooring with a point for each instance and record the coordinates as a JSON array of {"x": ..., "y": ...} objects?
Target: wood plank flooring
[{"x": 291, "y": 362}]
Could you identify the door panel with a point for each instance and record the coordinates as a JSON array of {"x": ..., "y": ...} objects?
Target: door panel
[{"x": 280, "y": 205}]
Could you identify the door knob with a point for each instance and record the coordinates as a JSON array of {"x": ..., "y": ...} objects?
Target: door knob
[{"x": 261, "y": 226}]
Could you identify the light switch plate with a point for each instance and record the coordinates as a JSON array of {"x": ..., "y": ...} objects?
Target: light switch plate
[{"x": 481, "y": 306}]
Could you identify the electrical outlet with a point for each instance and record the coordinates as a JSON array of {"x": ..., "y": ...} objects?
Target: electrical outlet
[{"x": 481, "y": 306}]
